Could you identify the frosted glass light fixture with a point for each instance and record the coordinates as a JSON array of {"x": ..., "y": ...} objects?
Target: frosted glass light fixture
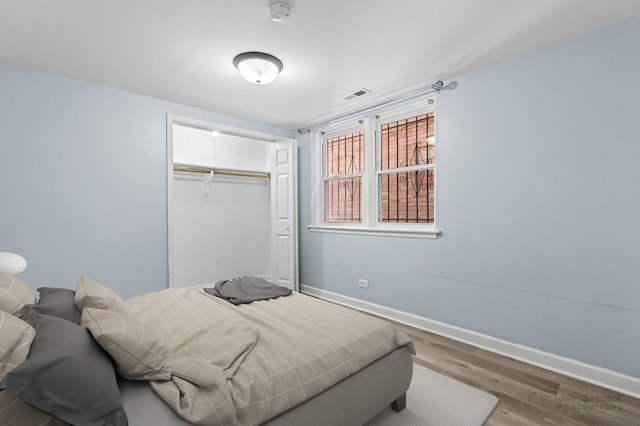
[
  {"x": 11, "y": 263},
  {"x": 258, "y": 67}
]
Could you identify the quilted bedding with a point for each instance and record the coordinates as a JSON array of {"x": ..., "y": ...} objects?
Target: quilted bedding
[{"x": 242, "y": 365}]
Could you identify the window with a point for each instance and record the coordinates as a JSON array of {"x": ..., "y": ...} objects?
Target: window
[
  {"x": 406, "y": 174},
  {"x": 379, "y": 176},
  {"x": 344, "y": 165}
]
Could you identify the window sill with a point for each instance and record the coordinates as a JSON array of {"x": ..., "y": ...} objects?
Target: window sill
[{"x": 377, "y": 231}]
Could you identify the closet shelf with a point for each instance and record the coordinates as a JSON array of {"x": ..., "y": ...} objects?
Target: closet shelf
[{"x": 221, "y": 171}]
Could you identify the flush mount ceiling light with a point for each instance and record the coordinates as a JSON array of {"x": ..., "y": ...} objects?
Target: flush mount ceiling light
[{"x": 258, "y": 67}]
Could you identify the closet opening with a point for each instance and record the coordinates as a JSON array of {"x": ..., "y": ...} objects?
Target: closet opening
[{"x": 231, "y": 204}]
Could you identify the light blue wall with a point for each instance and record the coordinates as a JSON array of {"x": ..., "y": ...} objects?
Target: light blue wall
[
  {"x": 83, "y": 180},
  {"x": 539, "y": 203}
]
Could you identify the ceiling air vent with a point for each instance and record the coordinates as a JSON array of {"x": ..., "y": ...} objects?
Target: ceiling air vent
[{"x": 358, "y": 93}]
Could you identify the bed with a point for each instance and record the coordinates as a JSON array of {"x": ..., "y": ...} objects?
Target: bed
[{"x": 182, "y": 357}]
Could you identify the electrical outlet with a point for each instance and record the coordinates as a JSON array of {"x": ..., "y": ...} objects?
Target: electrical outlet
[{"x": 363, "y": 283}]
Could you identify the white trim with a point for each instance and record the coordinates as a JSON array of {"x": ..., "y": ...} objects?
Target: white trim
[
  {"x": 379, "y": 231},
  {"x": 230, "y": 130},
  {"x": 369, "y": 190},
  {"x": 319, "y": 182},
  {"x": 406, "y": 169},
  {"x": 370, "y": 221},
  {"x": 421, "y": 107},
  {"x": 599, "y": 376},
  {"x": 170, "y": 120},
  {"x": 225, "y": 128},
  {"x": 345, "y": 129}
]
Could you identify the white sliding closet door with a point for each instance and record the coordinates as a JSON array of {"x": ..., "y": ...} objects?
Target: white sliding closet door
[{"x": 283, "y": 214}]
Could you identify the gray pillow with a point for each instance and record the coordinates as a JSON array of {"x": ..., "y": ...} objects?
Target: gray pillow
[
  {"x": 67, "y": 375},
  {"x": 57, "y": 302}
]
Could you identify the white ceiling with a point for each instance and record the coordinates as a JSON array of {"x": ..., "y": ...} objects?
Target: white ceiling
[{"x": 182, "y": 50}]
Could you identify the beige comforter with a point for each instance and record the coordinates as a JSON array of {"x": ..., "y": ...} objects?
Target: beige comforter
[{"x": 242, "y": 365}]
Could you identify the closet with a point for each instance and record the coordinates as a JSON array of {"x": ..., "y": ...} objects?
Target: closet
[{"x": 231, "y": 204}]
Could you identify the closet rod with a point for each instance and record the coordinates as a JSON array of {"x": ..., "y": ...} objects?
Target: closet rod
[{"x": 222, "y": 172}]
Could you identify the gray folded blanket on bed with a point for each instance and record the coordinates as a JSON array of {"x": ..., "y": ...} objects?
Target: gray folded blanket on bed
[{"x": 246, "y": 290}]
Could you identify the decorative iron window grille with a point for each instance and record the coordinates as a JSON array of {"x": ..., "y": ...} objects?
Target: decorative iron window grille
[
  {"x": 406, "y": 174},
  {"x": 344, "y": 166}
]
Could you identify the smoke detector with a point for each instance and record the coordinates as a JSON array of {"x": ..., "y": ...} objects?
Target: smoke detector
[{"x": 279, "y": 11}]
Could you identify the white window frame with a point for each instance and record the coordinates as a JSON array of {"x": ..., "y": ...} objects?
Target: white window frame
[
  {"x": 370, "y": 224},
  {"x": 324, "y": 136}
]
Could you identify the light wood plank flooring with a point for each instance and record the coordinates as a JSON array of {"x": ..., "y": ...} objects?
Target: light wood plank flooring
[{"x": 528, "y": 395}]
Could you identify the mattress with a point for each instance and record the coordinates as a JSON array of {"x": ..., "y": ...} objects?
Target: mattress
[{"x": 351, "y": 402}]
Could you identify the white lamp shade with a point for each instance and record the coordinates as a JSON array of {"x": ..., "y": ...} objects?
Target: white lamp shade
[
  {"x": 258, "y": 67},
  {"x": 11, "y": 263}
]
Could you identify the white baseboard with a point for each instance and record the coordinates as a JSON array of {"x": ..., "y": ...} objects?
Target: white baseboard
[{"x": 599, "y": 376}]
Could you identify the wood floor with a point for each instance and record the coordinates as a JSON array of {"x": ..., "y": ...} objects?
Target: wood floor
[{"x": 528, "y": 395}]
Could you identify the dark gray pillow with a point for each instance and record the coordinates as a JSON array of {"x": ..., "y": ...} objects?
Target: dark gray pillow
[
  {"x": 67, "y": 375},
  {"x": 57, "y": 302}
]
